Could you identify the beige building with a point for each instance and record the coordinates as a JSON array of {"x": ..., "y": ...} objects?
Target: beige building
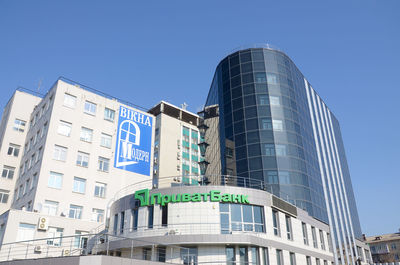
[
  {"x": 68, "y": 166},
  {"x": 384, "y": 248},
  {"x": 13, "y": 131},
  {"x": 176, "y": 150}
]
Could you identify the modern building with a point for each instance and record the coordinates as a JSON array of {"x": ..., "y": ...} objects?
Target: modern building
[
  {"x": 13, "y": 130},
  {"x": 71, "y": 151},
  {"x": 176, "y": 150},
  {"x": 217, "y": 225},
  {"x": 384, "y": 248},
  {"x": 275, "y": 132}
]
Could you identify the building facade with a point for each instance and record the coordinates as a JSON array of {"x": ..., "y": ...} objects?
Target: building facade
[
  {"x": 384, "y": 248},
  {"x": 13, "y": 130},
  {"x": 81, "y": 147},
  {"x": 218, "y": 225},
  {"x": 275, "y": 132},
  {"x": 176, "y": 150}
]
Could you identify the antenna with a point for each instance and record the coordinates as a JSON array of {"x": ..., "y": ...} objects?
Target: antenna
[
  {"x": 184, "y": 105},
  {"x": 40, "y": 84}
]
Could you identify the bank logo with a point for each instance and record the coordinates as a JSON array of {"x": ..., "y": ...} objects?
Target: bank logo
[{"x": 133, "y": 147}]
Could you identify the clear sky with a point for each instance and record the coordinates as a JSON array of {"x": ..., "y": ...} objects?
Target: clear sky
[{"x": 146, "y": 51}]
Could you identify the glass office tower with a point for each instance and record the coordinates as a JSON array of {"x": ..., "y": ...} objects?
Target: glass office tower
[{"x": 280, "y": 133}]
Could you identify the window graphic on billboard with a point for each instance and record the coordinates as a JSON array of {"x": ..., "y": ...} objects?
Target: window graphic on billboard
[{"x": 133, "y": 147}]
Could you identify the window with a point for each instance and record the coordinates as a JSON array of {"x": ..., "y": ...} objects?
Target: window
[
  {"x": 265, "y": 255},
  {"x": 86, "y": 134},
  {"x": 97, "y": 215},
  {"x": 79, "y": 185},
  {"x": 314, "y": 237},
  {"x": 305, "y": 234},
  {"x": 60, "y": 153},
  {"x": 255, "y": 258},
  {"x": 269, "y": 149},
  {"x": 262, "y": 99},
  {"x": 50, "y": 207},
  {"x": 280, "y": 150},
  {"x": 55, "y": 180},
  {"x": 4, "y": 194},
  {"x": 44, "y": 130},
  {"x": 235, "y": 217},
  {"x": 26, "y": 187},
  {"x": 321, "y": 238},
  {"x": 277, "y": 125},
  {"x": 289, "y": 232},
  {"x": 64, "y": 128},
  {"x": 272, "y": 79},
  {"x": 274, "y": 100},
  {"x": 279, "y": 257},
  {"x": 161, "y": 254},
  {"x": 13, "y": 150},
  {"x": 292, "y": 258},
  {"x": 69, "y": 100},
  {"x": 100, "y": 190},
  {"x": 104, "y": 164},
  {"x": 75, "y": 211},
  {"x": 109, "y": 114},
  {"x": 8, "y": 172},
  {"x": 308, "y": 259},
  {"x": 164, "y": 215},
  {"x": 54, "y": 235},
  {"x": 105, "y": 140},
  {"x": 20, "y": 191},
  {"x": 82, "y": 159},
  {"x": 266, "y": 124},
  {"x": 229, "y": 152},
  {"x": 230, "y": 256},
  {"x": 317, "y": 261},
  {"x": 19, "y": 125},
  {"x": 243, "y": 255},
  {"x": 135, "y": 218},
  {"x": 275, "y": 220},
  {"x": 25, "y": 232},
  {"x": 81, "y": 239},
  {"x": 90, "y": 108},
  {"x": 150, "y": 216},
  {"x": 146, "y": 253}
]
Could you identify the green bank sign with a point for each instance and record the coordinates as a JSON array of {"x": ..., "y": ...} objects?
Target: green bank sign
[{"x": 212, "y": 196}]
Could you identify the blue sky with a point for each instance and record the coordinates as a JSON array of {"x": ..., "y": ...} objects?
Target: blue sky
[{"x": 146, "y": 51}]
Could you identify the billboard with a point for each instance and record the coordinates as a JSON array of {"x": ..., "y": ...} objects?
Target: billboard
[{"x": 133, "y": 147}]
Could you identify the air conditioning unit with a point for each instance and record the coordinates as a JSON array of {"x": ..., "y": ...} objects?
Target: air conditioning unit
[
  {"x": 37, "y": 249},
  {"x": 173, "y": 232},
  {"x": 43, "y": 223},
  {"x": 66, "y": 252}
]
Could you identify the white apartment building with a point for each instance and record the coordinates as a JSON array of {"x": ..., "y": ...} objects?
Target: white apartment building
[
  {"x": 176, "y": 150},
  {"x": 13, "y": 131},
  {"x": 78, "y": 148}
]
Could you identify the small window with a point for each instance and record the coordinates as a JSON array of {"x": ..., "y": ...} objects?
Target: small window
[
  {"x": 274, "y": 100},
  {"x": 50, "y": 207},
  {"x": 305, "y": 234},
  {"x": 266, "y": 124},
  {"x": 105, "y": 140},
  {"x": 272, "y": 79},
  {"x": 19, "y": 125},
  {"x": 69, "y": 100},
  {"x": 280, "y": 149},
  {"x": 75, "y": 211},
  {"x": 86, "y": 134},
  {"x": 13, "y": 150},
  {"x": 8, "y": 172},
  {"x": 289, "y": 232},
  {"x": 279, "y": 257},
  {"x": 79, "y": 185},
  {"x": 97, "y": 215},
  {"x": 60, "y": 153},
  {"x": 277, "y": 125},
  {"x": 314, "y": 237},
  {"x": 275, "y": 220},
  {"x": 100, "y": 190},
  {"x": 64, "y": 128},
  {"x": 82, "y": 159},
  {"x": 55, "y": 180},
  {"x": 4, "y": 194},
  {"x": 322, "y": 240},
  {"x": 90, "y": 108},
  {"x": 109, "y": 114},
  {"x": 104, "y": 164},
  {"x": 25, "y": 232},
  {"x": 54, "y": 235}
]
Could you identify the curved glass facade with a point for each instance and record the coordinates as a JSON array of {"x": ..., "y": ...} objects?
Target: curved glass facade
[
  {"x": 281, "y": 134},
  {"x": 263, "y": 110}
]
